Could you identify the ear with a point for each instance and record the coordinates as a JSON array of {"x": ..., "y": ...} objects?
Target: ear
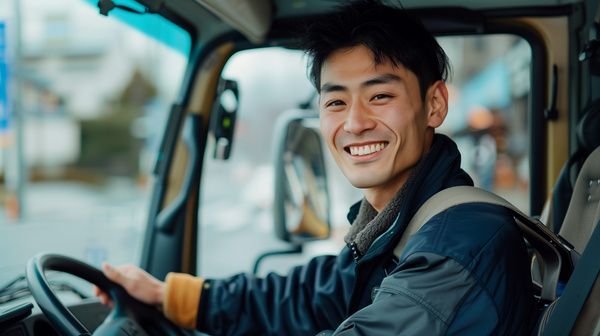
[{"x": 437, "y": 104}]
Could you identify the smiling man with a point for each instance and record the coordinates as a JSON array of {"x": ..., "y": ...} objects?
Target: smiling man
[
  {"x": 375, "y": 121},
  {"x": 381, "y": 78}
]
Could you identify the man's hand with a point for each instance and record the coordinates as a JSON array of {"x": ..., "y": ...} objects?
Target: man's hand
[{"x": 136, "y": 282}]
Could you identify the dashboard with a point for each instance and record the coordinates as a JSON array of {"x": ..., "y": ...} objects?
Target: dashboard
[{"x": 25, "y": 319}]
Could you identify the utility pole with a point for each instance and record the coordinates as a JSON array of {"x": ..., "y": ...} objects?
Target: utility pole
[
  {"x": 4, "y": 107},
  {"x": 20, "y": 117},
  {"x": 16, "y": 171}
]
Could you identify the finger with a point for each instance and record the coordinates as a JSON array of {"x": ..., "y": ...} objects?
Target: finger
[
  {"x": 113, "y": 274},
  {"x": 104, "y": 299},
  {"x": 99, "y": 293}
]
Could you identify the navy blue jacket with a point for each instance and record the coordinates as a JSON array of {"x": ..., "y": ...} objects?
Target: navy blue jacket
[{"x": 466, "y": 272}]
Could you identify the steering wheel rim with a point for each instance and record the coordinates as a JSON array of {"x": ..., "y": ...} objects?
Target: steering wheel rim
[
  {"x": 64, "y": 321},
  {"x": 40, "y": 289}
]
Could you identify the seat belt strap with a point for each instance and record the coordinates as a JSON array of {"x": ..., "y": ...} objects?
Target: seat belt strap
[
  {"x": 550, "y": 247},
  {"x": 578, "y": 288}
]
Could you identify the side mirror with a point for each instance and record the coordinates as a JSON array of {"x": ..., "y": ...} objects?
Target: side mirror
[
  {"x": 301, "y": 202},
  {"x": 224, "y": 116}
]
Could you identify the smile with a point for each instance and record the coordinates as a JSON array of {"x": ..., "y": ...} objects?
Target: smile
[{"x": 362, "y": 150}]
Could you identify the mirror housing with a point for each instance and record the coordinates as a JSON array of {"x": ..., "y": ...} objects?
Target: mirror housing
[
  {"x": 301, "y": 199},
  {"x": 224, "y": 116}
]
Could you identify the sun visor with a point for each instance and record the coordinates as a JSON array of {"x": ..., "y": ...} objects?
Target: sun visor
[{"x": 250, "y": 17}]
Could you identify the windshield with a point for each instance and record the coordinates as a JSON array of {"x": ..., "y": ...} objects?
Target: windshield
[
  {"x": 83, "y": 103},
  {"x": 487, "y": 118}
]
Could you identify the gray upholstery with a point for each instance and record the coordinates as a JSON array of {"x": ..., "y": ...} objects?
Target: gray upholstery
[
  {"x": 588, "y": 137},
  {"x": 582, "y": 216},
  {"x": 584, "y": 208}
]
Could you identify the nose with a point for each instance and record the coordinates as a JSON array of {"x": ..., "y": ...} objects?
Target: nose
[{"x": 358, "y": 119}]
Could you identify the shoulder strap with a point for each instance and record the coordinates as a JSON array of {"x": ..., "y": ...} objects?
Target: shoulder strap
[
  {"x": 444, "y": 200},
  {"x": 551, "y": 248}
]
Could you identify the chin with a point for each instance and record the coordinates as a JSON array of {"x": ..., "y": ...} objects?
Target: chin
[{"x": 363, "y": 182}]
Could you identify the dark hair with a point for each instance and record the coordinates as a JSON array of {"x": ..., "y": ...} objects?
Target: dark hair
[{"x": 389, "y": 32}]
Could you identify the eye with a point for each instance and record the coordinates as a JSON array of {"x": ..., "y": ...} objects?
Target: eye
[
  {"x": 380, "y": 96},
  {"x": 334, "y": 103}
]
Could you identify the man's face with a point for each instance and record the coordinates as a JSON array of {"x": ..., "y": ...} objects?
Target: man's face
[{"x": 373, "y": 119}]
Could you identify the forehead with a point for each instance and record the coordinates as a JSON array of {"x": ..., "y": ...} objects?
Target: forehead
[{"x": 356, "y": 65}]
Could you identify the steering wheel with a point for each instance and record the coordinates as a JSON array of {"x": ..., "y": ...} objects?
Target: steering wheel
[{"x": 126, "y": 318}]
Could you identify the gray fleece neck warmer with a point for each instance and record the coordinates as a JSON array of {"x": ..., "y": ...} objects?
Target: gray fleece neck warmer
[{"x": 369, "y": 224}]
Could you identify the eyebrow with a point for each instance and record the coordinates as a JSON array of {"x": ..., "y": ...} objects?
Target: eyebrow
[{"x": 383, "y": 79}]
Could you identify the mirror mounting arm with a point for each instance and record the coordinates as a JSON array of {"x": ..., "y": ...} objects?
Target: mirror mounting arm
[{"x": 295, "y": 249}]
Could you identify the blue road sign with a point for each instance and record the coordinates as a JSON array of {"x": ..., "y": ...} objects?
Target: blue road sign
[{"x": 4, "y": 103}]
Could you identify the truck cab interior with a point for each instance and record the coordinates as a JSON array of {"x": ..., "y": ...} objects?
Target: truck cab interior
[{"x": 525, "y": 100}]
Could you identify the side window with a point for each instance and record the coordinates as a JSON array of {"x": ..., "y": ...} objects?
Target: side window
[
  {"x": 85, "y": 115},
  {"x": 236, "y": 213},
  {"x": 488, "y": 111},
  {"x": 489, "y": 92}
]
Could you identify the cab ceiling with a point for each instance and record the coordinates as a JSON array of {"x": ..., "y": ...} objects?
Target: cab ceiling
[
  {"x": 286, "y": 8},
  {"x": 253, "y": 18}
]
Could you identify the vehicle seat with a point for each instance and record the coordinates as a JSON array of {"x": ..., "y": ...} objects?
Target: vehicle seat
[
  {"x": 577, "y": 311},
  {"x": 555, "y": 211},
  {"x": 584, "y": 209},
  {"x": 589, "y": 138},
  {"x": 579, "y": 224}
]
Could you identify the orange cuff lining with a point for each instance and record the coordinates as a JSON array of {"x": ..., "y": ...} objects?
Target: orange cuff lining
[{"x": 182, "y": 296}]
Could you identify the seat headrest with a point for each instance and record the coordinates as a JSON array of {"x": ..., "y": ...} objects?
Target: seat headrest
[{"x": 588, "y": 128}]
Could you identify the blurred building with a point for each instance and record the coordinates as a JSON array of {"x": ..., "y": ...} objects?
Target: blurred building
[{"x": 74, "y": 68}]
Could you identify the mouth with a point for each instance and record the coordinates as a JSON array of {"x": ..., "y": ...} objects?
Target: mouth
[{"x": 365, "y": 149}]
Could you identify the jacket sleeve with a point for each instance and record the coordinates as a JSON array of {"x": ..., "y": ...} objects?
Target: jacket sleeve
[
  {"x": 421, "y": 297},
  {"x": 181, "y": 297},
  {"x": 310, "y": 298}
]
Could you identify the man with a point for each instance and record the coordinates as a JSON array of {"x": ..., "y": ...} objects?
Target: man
[{"x": 381, "y": 77}]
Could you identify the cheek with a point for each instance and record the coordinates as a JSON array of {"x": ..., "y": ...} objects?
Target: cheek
[
  {"x": 403, "y": 118},
  {"x": 395, "y": 120},
  {"x": 328, "y": 124},
  {"x": 404, "y": 126}
]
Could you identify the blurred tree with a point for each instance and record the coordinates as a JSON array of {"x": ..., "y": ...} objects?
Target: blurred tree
[{"x": 108, "y": 146}]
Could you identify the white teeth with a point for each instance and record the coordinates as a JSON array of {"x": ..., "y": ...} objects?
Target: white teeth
[{"x": 367, "y": 149}]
